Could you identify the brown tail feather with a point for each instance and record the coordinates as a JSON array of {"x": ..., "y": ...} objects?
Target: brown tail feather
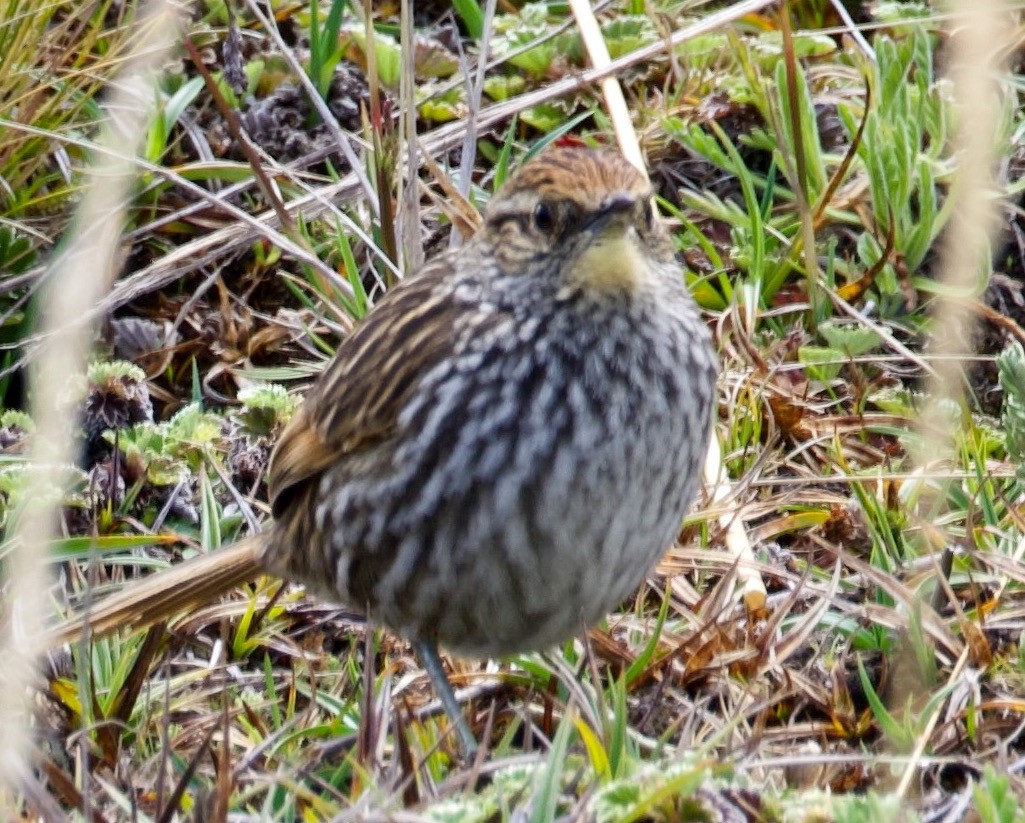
[{"x": 167, "y": 593}]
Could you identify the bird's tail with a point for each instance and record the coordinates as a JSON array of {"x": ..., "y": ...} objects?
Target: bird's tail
[{"x": 167, "y": 593}]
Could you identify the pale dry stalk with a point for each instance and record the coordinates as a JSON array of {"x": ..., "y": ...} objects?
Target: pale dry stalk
[{"x": 76, "y": 281}]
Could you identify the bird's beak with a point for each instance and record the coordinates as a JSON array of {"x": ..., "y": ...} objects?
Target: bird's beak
[
  {"x": 617, "y": 210},
  {"x": 612, "y": 258}
]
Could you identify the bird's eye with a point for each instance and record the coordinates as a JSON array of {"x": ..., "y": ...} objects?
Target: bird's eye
[
  {"x": 649, "y": 215},
  {"x": 544, "y": 219}
]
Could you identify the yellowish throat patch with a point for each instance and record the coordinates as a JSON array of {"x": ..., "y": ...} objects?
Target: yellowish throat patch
[{"x": 613, "y": 262}]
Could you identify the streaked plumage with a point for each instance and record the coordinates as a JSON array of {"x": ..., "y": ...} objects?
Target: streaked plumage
[{"x": 507, "y": 444}]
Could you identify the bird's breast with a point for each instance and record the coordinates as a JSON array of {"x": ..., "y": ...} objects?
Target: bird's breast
[{"x": 529, "y": 487}]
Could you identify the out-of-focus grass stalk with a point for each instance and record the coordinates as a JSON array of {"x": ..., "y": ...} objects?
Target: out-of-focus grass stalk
[
  {"x": 978, "y": 47},
  {"x": 75, "y": 281}
]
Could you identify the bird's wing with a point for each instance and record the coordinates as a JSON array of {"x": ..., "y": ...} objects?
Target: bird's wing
[{"x": 356, "y": 402}]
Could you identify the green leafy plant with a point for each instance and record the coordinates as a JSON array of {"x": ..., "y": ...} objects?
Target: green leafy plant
[
  {"x": 472, "y": 15},
  {"x": 842, "y": 343},
  {"x": 903, "y": 726},
  {"x": 1011, "y": 367},
  {"x": 871, "y": 808},
  {"x": 326, "y": 48},
  {"x": 527, "y": 39},
  {"x": 902, "y": 152},
  {"x": 166, "y": 113},
  {"x": 266, "y": 407},
  {"x": 994, "y": 800},
  {"x": 166, "y": 451}
]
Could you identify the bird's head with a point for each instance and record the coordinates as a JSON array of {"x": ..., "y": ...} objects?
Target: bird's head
[{"x": 586, "y": 215}]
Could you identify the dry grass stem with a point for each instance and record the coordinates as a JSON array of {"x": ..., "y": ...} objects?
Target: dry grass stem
[
  {"x": 408, "y": 194},
  {"x": 75, "y": 281},
  {"x": 752, "y": 587},
  {"x": 978, "y": 48},
  {"x": 612, "y": 92}
]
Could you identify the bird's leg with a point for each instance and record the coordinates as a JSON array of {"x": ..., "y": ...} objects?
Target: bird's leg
[{"x": 432, "y": 662}]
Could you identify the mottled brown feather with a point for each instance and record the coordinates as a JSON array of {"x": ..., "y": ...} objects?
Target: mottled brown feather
[
  {"x": 351, "y": 408},
  {"x": 355, "y": 403}
]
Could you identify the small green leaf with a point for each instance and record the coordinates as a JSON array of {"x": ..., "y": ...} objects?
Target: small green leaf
[
  {"x": 852, "y": 340},
  {"x": 547, "y": 117},
  {"x": 472, "y": 16},
  {"x": 820, "y": 362},
  {"x": 503, "y": 86}
]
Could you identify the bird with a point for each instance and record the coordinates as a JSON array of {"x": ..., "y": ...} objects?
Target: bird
[{"x": 505, "y": 446}]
